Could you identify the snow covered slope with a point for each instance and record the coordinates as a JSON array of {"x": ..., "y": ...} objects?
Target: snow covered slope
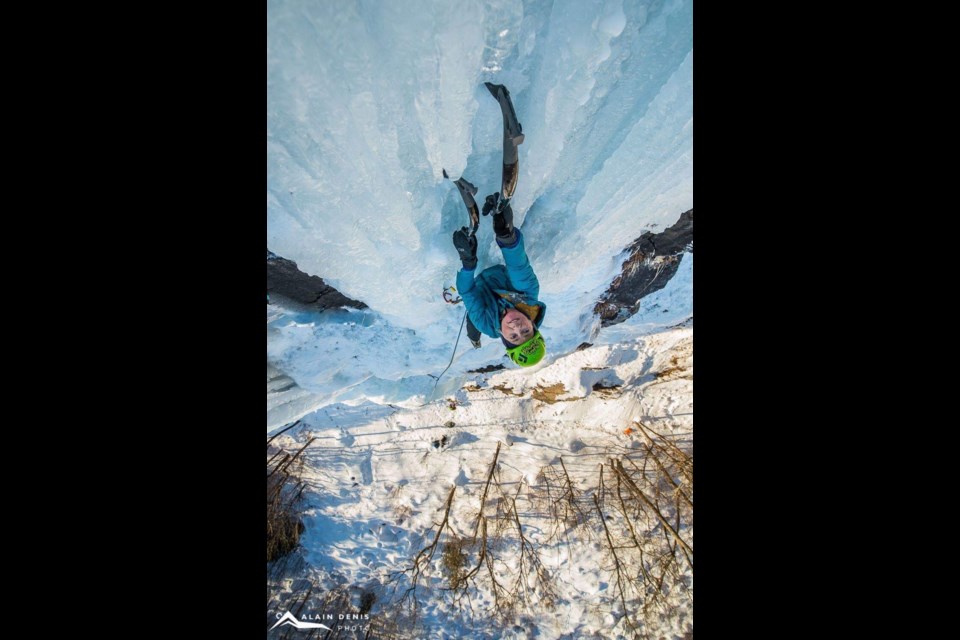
[
  {"x": 322, "y": 349},
  {"x": 379, "y": 479}
]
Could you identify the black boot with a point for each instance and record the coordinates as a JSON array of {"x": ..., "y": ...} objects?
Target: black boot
[{"x": 473, "y": 333}]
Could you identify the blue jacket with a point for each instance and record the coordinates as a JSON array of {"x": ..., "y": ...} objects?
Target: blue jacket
[{"x": 499, "y": 288}]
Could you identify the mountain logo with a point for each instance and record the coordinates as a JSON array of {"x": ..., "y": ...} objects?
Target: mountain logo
[{"x": 288, "y": 618}]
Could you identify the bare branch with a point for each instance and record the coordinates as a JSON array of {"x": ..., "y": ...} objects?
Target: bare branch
[
  {"x": 425, "y": 555},
  {"x": 628, "y": 481},
  {"x": 616, "y": 559},
  {"x": 486, "y": 488}
]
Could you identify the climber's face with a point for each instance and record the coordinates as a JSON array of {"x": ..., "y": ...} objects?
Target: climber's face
[{"x": 516, "y": 327}]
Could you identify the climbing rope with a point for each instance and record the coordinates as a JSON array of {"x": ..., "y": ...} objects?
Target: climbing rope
[{"x": 454, "y": 351}]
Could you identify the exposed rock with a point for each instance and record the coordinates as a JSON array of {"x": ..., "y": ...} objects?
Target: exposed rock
[
  {"x": 507, "y": 390},
  {"x": 487, "y": 369},
  {"x": 285, "y": 279},
  {"x": 653, "y": 260},
  {"x": 550, "y": 394}
]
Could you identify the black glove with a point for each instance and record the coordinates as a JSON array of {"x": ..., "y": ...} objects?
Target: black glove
[
  {"x": 466, "y": 244},
  {"x": 502, "y": 218},
  {"x": 491, "y": 202},
  {"x": 503, "y": 225}
]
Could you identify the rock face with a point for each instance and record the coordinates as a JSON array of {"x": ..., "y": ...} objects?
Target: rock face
[
  {"x": 285, "y": 279},
  {"x": 653, "y": 260}
]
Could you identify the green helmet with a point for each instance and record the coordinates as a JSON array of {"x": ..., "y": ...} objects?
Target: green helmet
[{"x": 530, "y": 352}]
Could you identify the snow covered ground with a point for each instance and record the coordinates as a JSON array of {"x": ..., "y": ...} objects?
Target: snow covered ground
[
  {"x": 378, "y": 485},
  {"x": 379, "y": 473}
]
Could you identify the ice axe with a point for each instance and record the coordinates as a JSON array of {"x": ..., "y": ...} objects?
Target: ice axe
[{"x": 467, "y": 191}]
